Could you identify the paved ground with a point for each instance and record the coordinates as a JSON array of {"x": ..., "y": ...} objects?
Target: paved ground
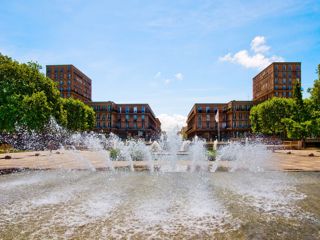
[{"x": 297, "y": 160}]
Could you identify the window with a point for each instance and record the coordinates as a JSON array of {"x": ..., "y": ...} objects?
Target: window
[
  {"x": 69, "y": 82},
  {"x": 276, "y": 80},
  {"x": 276, "y": 67},
  {"x": 207, "y": 109},
  {"x": 127, "y": 117},
  {"x": 290, "y": 81},
  {"x": 199, "y": 109},
  {"x": 290, "y": 68},
  {"x": 127, "y": 124},
  {"x": 290, "y": 94},
  {"x": 109, "y": 124},
  {"x": 283, "y": 87},
  {"x": 135, "y": 117},
  {"x": 103, "y": 117},
  {"x": 276, "y": 87},
  {"x": 199, "y": 121},
  {"x": 120, "y": 109},
  {"x": 208, "y": 124},
  {"x": 61, "y": 82},
  {"x": 276, "y": 94},
  {"x": 127, "y": 109},
  {"x": 284, "y": 81},
  {"x": 109, "y": 116},
  {"x": 135, "y": 125},
  {"x": 289, "y": 87},
  {"x": 284, "y": 74},
  {"x": 284, "y": 67},
  {"x": 297, "y": 67},
  {"x": 142, "y": 117},
  {"x": 104, "y": 125},
  {"x": 143, "y": 110},
  {"x": 135, "y": 109},
  {"x": 142, "y": 124},
  {"x": 208, "y": 117}
]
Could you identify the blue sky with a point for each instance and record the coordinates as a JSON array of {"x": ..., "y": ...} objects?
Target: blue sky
[{"x": 169, "y": 54}]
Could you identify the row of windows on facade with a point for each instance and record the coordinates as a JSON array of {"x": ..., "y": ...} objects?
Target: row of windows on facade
[
  {"x": 234, "y": 125},
  {"x": 287, "y": 74},
  {"x": 241, "y": 116},
  {"x": 135, "y": 117},
  {"x": 61, "y": 76},
  {"x": 286, "y": 68},
  {"x": 119, "y": 125},
  {"x": 284, "y": 87},
  {"x": 283, "y": 94},
  {"x": 199, "y": 109},
  {"x": 284, "y": 80},
  {"x": 127, "y": 109},
  {"x": 235, "y": 108}
]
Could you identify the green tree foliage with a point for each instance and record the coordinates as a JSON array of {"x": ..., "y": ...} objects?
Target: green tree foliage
[
  {"x": 29, "y": 99},
  {"x": 294, "y": 118},
  {"x": 266, "y": 117},
  {"x": 80, "y": 117},
  {"x": 315, "y": 91},
  {"x": 18, "y": 84},
  {"x": 36, "y": 111}
]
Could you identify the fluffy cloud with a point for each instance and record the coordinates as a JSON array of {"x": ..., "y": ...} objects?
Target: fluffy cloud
[
  {"x": 176, "y": 77},
  {"x": 259, "y": 59},
  {"x": 179, "y": 76},
  {"x": 172, "y": 122}
]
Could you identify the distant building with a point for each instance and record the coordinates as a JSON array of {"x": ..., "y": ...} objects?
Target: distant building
[
  {"x": 126, "y": 120},
  {"x": 276, "y": 80},
  {"x": 71, "y": 81},
  {"x": 233, "y": 120}
]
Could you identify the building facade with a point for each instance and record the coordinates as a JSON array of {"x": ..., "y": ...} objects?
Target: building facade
[
  {"x": 71, "y": 81},
  {"x": 126, "y": 120},
  {"x": 219, "y": 120},
  {"x": 276, "y": 80}
]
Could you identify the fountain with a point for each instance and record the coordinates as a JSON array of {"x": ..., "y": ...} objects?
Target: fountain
[{"x": 182, "y": 195}]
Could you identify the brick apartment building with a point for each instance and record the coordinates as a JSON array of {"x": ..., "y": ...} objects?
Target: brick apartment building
[
  {"x": 233, "y": 120},
  {"x": 276, "y": 80},
  {"x": 126, "y": 120},
  {"x": 71, "y": 81}
]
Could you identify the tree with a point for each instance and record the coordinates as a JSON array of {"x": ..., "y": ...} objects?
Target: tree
[
  {"x": 18, "y": 84},
  {"x": 315, "y": 91},
  {"x": 80, "y": 117},
  {"x": 267, "y": 117},
  {"x": 36, "y": 111}
]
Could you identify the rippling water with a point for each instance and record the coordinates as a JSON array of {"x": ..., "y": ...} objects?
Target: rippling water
[{"x": 142, "y": 205}]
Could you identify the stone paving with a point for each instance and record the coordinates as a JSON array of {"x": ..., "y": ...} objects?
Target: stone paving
[{"x": 284, "y": 160}]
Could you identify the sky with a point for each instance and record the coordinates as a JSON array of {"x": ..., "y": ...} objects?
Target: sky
[{"x": 170, "y": 54}]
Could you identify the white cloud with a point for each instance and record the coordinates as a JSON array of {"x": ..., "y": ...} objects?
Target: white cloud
[
  {"x": 179, "y": 76},
  {"x": 157, "y": 75},
  {"x": 259, "y": 59},
  {"x": 167, "y": 81},
  {"x": 258, "y": 45},
  {"x": 172, "y": 122}
]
